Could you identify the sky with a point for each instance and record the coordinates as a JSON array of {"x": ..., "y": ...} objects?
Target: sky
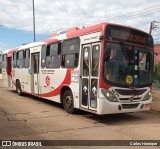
[{"x": 16, "y": 23}]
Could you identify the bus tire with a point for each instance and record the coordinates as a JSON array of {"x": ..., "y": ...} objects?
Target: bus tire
[
  {"x": 68, "y": 102},
  {"x": 18, "y": 88}
]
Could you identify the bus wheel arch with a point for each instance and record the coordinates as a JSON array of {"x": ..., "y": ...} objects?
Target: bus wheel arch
[
  {"x": 67, "y": 99},
  {"x": 18, "y": 88}
]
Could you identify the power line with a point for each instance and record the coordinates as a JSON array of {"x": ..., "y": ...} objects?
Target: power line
[
  {"x": 157, "y": 39},
  {"x": 138, "y": 11},
  {"x": 156, "y": 34},
  {"x": 134, "y": 14}
]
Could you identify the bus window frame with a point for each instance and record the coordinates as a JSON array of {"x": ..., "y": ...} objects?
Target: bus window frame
[
  {"x": 26, "y": 58},
  {"x": 4, "y": 65},
  {"x": 50, "y": 58},
  {"x": 20, "y": 66},
  {"x": 76, "y": 53},
  {"x": 14, "y": 59}
]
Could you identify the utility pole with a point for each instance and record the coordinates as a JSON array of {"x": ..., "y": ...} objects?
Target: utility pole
[
  {"x": 150, "y": 30},
  {"x": 153, "y": 26},
  {"x": 34, "y": 23}
]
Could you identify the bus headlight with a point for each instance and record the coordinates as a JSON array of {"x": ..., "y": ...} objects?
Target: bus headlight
[
  {"x": 109, "y": 95},
  {"x": 147, "y": 96}
]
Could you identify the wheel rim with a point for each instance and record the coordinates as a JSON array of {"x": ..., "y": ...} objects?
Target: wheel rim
[
  {"x": 68, "y": 101},
  {"x": 19, "y": 90}
]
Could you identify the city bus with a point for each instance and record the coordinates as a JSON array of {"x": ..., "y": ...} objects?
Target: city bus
[
  {"x": 7, "y": 67},
  {"x": 0, "y": 65},
  {"x": 104, "y": 68}
]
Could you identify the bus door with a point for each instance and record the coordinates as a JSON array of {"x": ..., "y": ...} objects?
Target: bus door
[
  {"x": 35, "y": 73},
  {"x": 90, "y": 73}
]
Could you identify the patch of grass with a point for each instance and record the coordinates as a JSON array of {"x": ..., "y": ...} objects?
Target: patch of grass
[{"x": 156, "y": 84}]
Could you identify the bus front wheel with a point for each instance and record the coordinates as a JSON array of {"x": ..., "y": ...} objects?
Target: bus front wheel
[
  {"x": 18, "y": 88},
  {"x": 68, "y": 102}
]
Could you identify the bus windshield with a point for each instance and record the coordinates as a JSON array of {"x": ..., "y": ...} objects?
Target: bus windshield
[
  {"x": 128, "y": 62},
  {"x": 128, "y": 66}
]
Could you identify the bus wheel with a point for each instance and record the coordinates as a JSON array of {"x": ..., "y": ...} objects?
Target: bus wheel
[
  {"x": 18, "y": 88},
  {"x": 68, "y": 103}
]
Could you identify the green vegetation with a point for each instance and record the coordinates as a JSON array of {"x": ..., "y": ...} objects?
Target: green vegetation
[{"x": 156, "y": 76}]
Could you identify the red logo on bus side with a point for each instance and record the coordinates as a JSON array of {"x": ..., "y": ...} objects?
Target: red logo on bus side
[{"x": 48, "y": 80}]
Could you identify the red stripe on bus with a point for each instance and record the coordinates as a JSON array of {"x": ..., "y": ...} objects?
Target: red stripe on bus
[
  {"x": 26, "y": 92},
  {"x": 66, "y": 82}
]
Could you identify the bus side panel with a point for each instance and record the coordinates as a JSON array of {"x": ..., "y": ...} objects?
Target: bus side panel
[
  {"x": 51, "y": 82},
  {"x": 7, "y": 73},
  {"x": 23, "y": 75},
  {"x": 25, "y": 80},
  {"x": 5, "y": 77},
  {"x": 75, "y": 76}
]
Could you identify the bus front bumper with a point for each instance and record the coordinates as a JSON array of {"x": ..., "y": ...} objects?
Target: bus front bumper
[{"x": 106, "y": 107}]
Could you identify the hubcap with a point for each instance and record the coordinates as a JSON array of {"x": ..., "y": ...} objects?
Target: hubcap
[
  {"x": 68, "y": 101},
  {"x": 18, "y": 90}
]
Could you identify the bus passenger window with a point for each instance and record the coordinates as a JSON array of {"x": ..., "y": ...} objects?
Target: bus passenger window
[
  {"x": 4, "y": 62},
  {"x": 20, "y": 59},
  {"x": 26, "y": 58},
  {"x": 70, "y": 61},
  {"x": 43, "y": 57},
  {"x": 70, "y": 53},
  {"x": 47, "y": 61},
  {"x": 53, "y": 56},
  {"x": 14, "y": 60}
]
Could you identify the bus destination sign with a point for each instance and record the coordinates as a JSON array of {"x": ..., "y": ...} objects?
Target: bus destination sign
[{"x": 129, "y": 36}]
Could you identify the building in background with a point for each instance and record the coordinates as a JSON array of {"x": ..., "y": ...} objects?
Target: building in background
[
  {"x": 156, "y": 73},
  {"x": 157, "y": 50}
]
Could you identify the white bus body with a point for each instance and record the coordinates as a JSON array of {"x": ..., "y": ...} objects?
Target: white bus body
[{"x": 68, "y": 69}]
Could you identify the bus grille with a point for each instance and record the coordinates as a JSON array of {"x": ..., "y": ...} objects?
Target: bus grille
[
  {"x": 128, "y": 99},
  {"x": 129, "y": 106},
  {"x": 130, "y": 92}
]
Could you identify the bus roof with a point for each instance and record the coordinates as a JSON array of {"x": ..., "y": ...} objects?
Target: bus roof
[
  {"x": 9, "y": 54},
  {"x": 34, "y": 44},
  {"x": 6, "y": 51},
  {"x": 70, "y": 33},
  {"x": 75, "y": 31}
]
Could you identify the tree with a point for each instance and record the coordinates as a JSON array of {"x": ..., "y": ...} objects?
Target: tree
[{"x": 156, "y": 73}]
